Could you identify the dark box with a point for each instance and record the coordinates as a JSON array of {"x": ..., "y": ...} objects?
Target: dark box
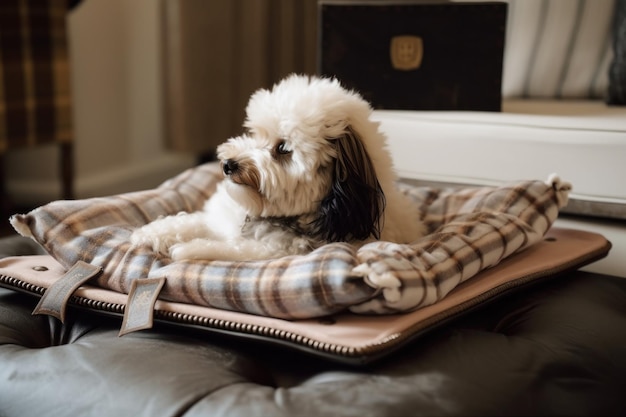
[{"x": 416, "y": 56}]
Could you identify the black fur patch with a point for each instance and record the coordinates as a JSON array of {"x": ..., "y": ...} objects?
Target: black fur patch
[{"x": 354, "y": 207}]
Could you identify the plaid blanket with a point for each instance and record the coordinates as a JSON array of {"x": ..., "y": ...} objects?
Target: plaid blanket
[
  {"x": 469, "y": 230},
  {"x": 35, "y": 105}
]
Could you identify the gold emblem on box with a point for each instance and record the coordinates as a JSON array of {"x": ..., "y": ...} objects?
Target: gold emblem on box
[{"x": 406, "y": 52}]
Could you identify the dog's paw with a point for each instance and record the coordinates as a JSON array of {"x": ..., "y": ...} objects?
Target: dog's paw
[
  {"x": 142, "y": 237},
  {"x": 194, "y": 250}
]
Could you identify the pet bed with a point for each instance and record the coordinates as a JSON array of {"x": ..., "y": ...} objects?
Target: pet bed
[
  {"x": 344, "y": 337},
  {"x": 468, "y": 231}
]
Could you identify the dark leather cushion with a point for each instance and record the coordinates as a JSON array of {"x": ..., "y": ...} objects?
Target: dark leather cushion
[{"x": 554, "y": 348}]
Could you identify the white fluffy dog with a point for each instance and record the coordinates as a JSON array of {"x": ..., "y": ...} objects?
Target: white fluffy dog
[{"x": 311, "y": 169}]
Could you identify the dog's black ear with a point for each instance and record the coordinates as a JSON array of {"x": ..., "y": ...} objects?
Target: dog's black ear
[{"x": 353, "y": 208}]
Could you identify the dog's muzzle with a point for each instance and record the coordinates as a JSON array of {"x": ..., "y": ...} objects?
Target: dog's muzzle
[
  {"x": 242, "y": 172},
  {"x": 230, "y": 166}
]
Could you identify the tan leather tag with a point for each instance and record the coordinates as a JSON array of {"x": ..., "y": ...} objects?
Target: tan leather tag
[
  {"x": 54, "y": 300},
  {"x": 139, "y": 311}
]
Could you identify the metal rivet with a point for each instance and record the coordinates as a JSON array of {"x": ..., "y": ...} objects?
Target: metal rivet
[{"x": 40, "y": 268}]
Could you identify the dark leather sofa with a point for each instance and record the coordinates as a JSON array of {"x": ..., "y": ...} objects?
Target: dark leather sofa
[{"x": 555, "y": 348}]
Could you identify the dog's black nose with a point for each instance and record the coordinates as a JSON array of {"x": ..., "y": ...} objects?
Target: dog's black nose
[{"x": 230, "y": 166}]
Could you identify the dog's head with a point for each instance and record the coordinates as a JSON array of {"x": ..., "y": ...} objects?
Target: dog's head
[{"x": 307, "y": 152}]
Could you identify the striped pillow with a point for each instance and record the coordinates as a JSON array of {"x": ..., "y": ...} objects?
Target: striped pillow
[
  {"x": 470, "y": 230},
  {"x": 558, "y": 49}
]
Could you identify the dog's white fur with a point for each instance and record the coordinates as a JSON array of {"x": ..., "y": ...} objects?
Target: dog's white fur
[{"x": 311, "y": 169}]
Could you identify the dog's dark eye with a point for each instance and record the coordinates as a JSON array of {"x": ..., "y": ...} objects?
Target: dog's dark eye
[{"x": 282, "y": 149}]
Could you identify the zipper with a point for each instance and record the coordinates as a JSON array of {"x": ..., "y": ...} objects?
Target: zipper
[
  {"x": 361, "y": 354},
  {"x": 16, "y": 284}
]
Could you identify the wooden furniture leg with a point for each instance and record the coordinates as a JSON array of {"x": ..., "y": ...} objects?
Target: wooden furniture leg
[{"x": 66, "y": 165}]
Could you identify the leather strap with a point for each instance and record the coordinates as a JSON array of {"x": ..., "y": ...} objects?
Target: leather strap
[
  {"x": 54, "y": 300},
  {"x": 139, "y": 311}
]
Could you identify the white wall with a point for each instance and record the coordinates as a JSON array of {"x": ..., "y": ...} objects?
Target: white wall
[{"x": 117, "y": 98}]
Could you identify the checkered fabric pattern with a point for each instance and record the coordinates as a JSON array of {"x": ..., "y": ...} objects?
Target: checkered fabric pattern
[
  {"x": 469, "y": 230},
  {"x": 35, "y": 104}
]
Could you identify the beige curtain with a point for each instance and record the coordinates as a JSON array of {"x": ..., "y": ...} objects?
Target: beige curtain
[
  {"x": 35, "y": 96},
  {"x": 217, "y": 52}
]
